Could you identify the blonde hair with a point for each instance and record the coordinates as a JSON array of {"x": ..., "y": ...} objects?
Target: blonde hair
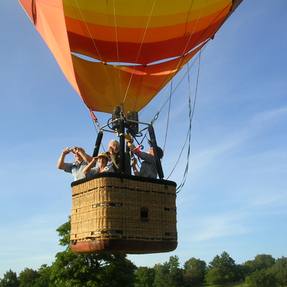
[{"x": 114, "y": 145}]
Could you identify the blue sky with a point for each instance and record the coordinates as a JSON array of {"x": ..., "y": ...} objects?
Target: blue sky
[{"x": 235, "y": 198}]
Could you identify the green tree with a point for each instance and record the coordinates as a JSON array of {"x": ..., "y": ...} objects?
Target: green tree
[
  {"x": 194, "y": 272},
  {"x": 222, "y": 269},
  {"x": 168, "y": 274},
  {"x": 28, "y": 277},
  {"x": 64, "y": 233},
  {"x": 175, "y": 272},
  {"x": 261, "y": 278},
  {"x": 9, "y": 280},
  {"x": 44, "y": 277},
  {"x": 144, "y": 277},
  {"x": 89, "y": 270},
  {"x": 161, "y": 275},
  {"x": 260, "y": 262},
  {"x": 279, "y": 270}
]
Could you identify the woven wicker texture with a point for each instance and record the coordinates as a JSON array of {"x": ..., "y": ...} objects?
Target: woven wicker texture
[{"x": 111, "y": 208}]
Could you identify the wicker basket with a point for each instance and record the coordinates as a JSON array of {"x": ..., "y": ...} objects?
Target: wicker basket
[{"x": 123, "y": 213}]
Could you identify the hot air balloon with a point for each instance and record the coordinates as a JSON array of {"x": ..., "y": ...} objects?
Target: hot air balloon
[{"x": 118, "y": 55}]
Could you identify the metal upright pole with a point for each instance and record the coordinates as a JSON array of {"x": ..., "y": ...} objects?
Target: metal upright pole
[
  {"x": 98, "y": 144},
  {"x": 122, "y": 144},
  {"x": 154, "y": 146}
]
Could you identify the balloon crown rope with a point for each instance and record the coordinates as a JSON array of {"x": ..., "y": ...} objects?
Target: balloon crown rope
[{"x": 123, "y": 212}]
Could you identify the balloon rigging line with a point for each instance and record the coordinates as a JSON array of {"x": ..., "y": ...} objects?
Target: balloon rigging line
[
  {"x": 184, "y": 53},
  {"x": 191, "y": 115},
  {"x": 188, "y": 14},
  {"x": 90, "y": 35},
  {"x": 117, "y": 44},
  {"x": 168, "y": 116},
  {"x": 139, "y": 51},
  {"x": 87, "y": 28},
  {"x": 191, "y": 106},
  {"x": 183, "y": 147},
  {"x": 212, "y": 21},
  {"x": 156, "y": 116},
  {"x": 193, "y": 29},
  {"x": 181, "y": 57},
  {"x": 116, "y": 30}
]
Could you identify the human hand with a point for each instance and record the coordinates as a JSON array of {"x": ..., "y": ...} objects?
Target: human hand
[
  {"x": 130, "y": 145},
  {"x": 137, "y": 149},
  {"x": 80, "y": 149},
  {"x": 66, "y": 150},
  {"x": 75, "y": 150},
  {"x": 94, "y": 159},
  {"x": 129, "y": 138},
  {"x": 134, "y": 161}
]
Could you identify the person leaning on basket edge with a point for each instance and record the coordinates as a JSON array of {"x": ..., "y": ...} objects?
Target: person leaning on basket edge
[{"x": 81, "y": 160}]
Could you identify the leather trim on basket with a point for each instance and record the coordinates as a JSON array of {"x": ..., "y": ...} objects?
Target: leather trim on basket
[{"x": 125, "y": 246}]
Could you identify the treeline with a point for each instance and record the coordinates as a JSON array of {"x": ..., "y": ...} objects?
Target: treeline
[{"x": 115, "y": 270}]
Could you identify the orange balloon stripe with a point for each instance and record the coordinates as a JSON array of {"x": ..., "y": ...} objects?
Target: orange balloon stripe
[
  {"x": 150, "y": 52},
  {"x": 135, "y": 35}
]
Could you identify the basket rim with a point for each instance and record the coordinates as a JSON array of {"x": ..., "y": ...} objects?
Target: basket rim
[{"x": 124, "y": 176}]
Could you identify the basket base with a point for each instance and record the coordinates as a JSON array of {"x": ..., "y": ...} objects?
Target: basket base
[{"x": 125, "y": 246}]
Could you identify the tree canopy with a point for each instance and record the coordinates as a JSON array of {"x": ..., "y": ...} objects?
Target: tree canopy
[
  {"x": 114, "y": 270},
  {"x": 194, "y": 272},
  {"x": 222, "y": 269}
]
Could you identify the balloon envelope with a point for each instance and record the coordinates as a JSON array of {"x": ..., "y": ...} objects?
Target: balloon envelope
[{"x": 122, "y": 52}]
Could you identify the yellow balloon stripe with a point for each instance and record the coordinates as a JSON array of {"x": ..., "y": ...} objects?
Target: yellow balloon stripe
[
  {"x": 132, "y": 17},
  {"x": 143, "y": 7},
  {"x": 136, "y": 35}
]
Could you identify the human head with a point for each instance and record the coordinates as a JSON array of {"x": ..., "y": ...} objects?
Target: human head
[
  {"x": 102, "y": 159},
  {"x": 77, "y": 155},
  {"x": 159, "y": 152},
  {"x": 114, "y": 146}
]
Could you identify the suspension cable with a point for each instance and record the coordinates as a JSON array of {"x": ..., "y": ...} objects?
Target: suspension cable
[
  {"x": 189, "y": 66},
  {"x": 168, "y": 116},
  {"x": 179, "y": 188},
  {"x": 191, "y": 106}
]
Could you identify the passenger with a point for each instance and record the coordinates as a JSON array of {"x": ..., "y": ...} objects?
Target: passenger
[
  {"x": 101, "y": 162},
  {"x": 76, "y": 168},
  {"x": 114, "y": 155},
  {"x": 114, "y": 158},
  {"x": 148, "y": 166}
]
